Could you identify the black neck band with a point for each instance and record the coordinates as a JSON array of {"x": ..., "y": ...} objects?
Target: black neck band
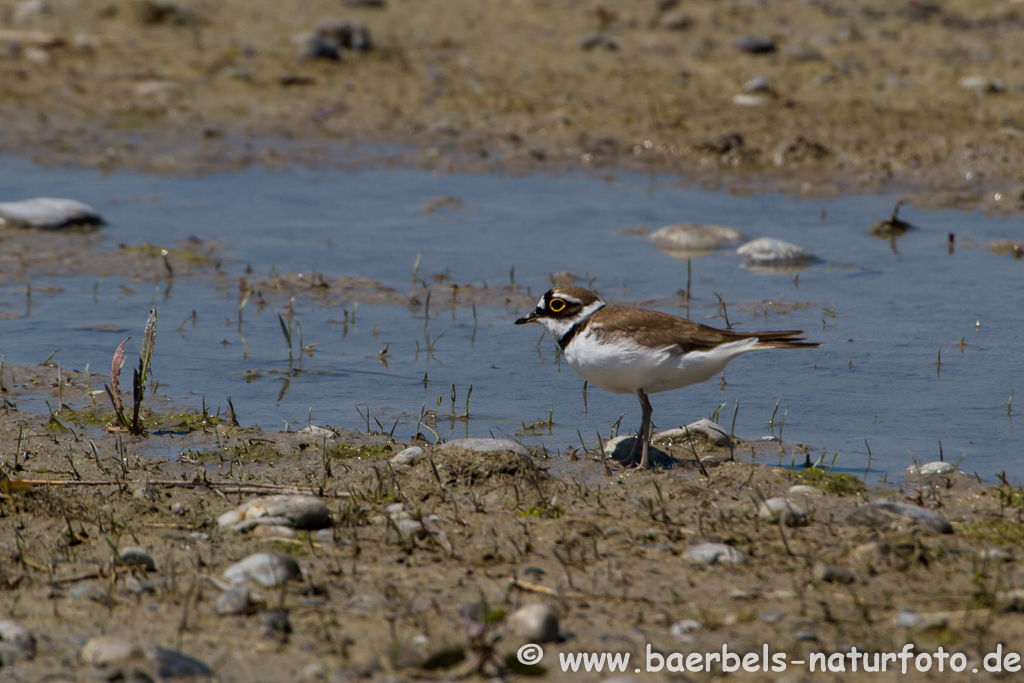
[{"x": 564, "y": 340}]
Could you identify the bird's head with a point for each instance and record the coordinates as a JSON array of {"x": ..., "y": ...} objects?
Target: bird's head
[{"x": 562, "y": 307}]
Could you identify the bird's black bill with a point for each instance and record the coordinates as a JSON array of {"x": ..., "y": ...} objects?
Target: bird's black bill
[{"x": 528, "y": 319}]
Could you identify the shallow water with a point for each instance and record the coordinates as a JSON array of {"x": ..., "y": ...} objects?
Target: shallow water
[{"x": 882, "y": 316}]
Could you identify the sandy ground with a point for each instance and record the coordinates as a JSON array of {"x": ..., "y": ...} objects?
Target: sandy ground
[
  {"x": 384, "y": 593},
  {"x": 841, "y": 96}
]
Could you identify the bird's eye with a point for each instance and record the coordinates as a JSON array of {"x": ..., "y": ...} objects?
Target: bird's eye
[{"x": 556, "y": 305}]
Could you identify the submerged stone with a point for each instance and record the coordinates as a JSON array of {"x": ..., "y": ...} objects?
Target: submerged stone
[
  {"x": 768, "y": 252},
  {"x": 689, "y": 239}
]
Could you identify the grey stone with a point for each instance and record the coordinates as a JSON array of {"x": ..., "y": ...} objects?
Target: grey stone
[
  {"x": 597, "y": 39},
  {"x": 107, "y": 650},
  {"x": 298, "y": 512},
  {"x": 889, "y": 515},
  {"x": 484, "y": 446},
  {"x": 133, "y": 556},
  {"x": 995, "y": 555},
  {"x": 319, "y": 432},
  {"x": 804, "y": 490},
  {"x": 806, "y": 636},
  {"x": 1011, "y": 600},
  {"x": 714, "y": 553},
  {"x": 315, "y": 46},
  {"x": 171, "y": 664},
  {"x": 908, "y": 618},
  {"x": 237, "y": 600},
  {"x": 535, "y": 622},
  {"x": 755, "y": 45},
  {"x": 685, "y": 626},
  {"x": 830, "y": 574},
  {"x": 757, "y": 84},
  {"x": 775, "y": 509},
  {"x": 408, "y": 457},
  {"x": 351, "y": 35},
  {"x": 48, "y": 213},
  {"x": 276, "y": 623},
  {"x": 268, "y": 569},
  {"x": 702, "y": 427},
  {"x": 16, "y": 643}
]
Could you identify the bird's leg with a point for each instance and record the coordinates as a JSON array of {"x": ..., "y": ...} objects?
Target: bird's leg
[{"x": 645, "y": 428}]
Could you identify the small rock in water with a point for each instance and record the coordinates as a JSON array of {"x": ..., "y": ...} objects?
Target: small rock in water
[
  {"x": 106, "y": 650},
  {"x": 16, "y": 643},
  {"x": 133, "y": 556},
  {"x": 535, "y": 623},
  {"x": 235, "y": 600},
  {"x": 171, "y": 664},
  {"x": 889, "y": 515},
  {"x": 268, "y": 569},
  {"x": 48, "y": 213},
  {"x": 932, "y": 468},
  {"x": 768, "y": 252},
  {"x": 296, "y": 511},
  {"x": 484, "y": 446},
  {"x": 408, "y": 457},
  {"x": 830, "y": 574},
  {"x": 702, "y": 427},
  {"x": 688, "y": 239},
  {"x": 775, "y": 509},
  {"x": 714, "y": 553}
]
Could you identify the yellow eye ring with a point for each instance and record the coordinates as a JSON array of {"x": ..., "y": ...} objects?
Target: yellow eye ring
[{"x": 556, "y": 305}]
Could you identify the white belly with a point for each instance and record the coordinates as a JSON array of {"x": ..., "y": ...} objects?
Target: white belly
[{"x": 622, "y": 366}]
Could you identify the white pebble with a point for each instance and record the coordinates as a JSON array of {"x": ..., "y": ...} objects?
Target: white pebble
[
  {"x": 268, "y": 569},
  {"x": 775, "y": 509},
  {"x": 535, "y": 623}
]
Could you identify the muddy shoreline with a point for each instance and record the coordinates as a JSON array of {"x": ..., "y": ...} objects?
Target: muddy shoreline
[{"x": 815, "y": 99}]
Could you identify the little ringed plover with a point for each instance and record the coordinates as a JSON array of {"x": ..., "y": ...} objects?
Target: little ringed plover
[{"x": 628, "y": 350}]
